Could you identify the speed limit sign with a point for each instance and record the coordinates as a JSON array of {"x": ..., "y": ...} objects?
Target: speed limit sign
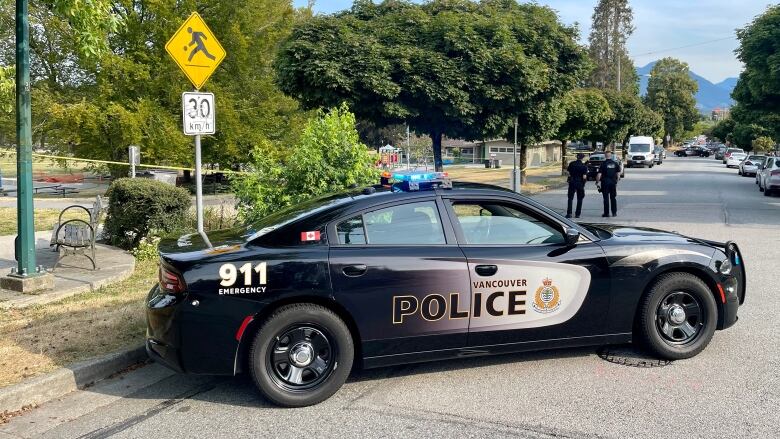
[{"x": 198, "y": 113}]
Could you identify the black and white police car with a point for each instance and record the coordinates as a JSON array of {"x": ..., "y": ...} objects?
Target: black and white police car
[{"x": 423, "y": 269}]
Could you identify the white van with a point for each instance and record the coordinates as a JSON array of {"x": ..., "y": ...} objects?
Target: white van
[{"x": 641, "y": 152}]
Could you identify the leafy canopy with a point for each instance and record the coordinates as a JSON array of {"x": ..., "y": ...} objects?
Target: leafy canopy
[
  {"x": 463, "y": 69},
  {"x": 671, "y": 92},
  {"x": 329, "y": 157}
]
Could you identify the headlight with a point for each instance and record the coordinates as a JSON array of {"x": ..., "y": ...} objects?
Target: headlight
[{"x": 725, "y": 267}]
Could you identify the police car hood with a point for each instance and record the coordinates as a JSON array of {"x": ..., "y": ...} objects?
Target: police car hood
[{"x": 642, "y": 234}]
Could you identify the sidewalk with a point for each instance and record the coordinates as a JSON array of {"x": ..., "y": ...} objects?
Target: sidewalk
[{"x": 73, "y": 276}]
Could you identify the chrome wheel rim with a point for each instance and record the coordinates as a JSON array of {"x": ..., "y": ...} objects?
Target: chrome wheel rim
[{"x": 680, "y": 318}]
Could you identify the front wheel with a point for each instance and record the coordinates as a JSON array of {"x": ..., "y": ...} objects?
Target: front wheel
[
  {"x": 677, "y": 317},
  {"x": 301, "y": 355}
]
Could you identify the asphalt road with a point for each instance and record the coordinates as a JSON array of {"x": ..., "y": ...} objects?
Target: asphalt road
[{"x": 732, "y": 389}]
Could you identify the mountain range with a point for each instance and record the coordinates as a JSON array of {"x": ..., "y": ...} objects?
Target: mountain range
[{"x": 708, "y": 97}]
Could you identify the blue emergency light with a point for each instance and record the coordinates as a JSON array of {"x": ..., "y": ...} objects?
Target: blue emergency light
[{"x": 416, "y": 180}]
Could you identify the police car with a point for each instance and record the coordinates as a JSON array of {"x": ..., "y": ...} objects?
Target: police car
[{"x": 422, "y": 269}]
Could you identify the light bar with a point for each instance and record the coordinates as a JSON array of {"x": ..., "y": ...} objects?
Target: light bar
[{"x": 418, "y": 177}]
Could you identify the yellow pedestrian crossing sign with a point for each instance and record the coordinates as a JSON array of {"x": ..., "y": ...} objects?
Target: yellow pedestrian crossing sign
[{"x": 196, "y": 50}]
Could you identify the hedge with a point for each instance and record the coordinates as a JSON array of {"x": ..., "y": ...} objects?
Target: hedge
[{"x": 140, "y": 207}]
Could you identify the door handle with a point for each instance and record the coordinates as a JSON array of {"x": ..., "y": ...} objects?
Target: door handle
[
  {"x": 354, "y": 270},
  {"x": 486, "y": 270}
]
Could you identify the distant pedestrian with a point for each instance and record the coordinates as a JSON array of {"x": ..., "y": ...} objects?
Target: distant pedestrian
[
  {"x": 607, "y": 180},
  {"x": 578, "y": 175}
]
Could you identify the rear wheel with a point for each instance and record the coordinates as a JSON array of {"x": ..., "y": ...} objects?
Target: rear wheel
[
  {"x": 767, "y": 192},
  {"x": 301, "y": 355},
  {"x": 677, "y": 317}
]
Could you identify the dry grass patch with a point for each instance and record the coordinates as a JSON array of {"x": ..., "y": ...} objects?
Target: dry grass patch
[
  {"x": 39, "y": 339},
  {"x": 44, "y": 219}
]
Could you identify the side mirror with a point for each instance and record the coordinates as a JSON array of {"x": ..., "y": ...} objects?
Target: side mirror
[{"x": 572, "y": 236}]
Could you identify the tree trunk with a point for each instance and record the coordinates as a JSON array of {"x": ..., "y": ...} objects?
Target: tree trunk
[
  {"x": 666, "y": 142},
  {"x": 436, "y": 139},
  {"x": 563, "y": 156},
  {"x": 523, "y": 163}
]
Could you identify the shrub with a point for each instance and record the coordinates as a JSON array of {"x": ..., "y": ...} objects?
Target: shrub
[
  {"x": 329, "y": 157},
  {"x": 140, "y": 207}
]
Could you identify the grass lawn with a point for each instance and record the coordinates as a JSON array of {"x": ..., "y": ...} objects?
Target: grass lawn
[
  {"x": 44, "y": 219},
  {"x": 39, "y": 339},
  {"x": 541, "y": 177}
]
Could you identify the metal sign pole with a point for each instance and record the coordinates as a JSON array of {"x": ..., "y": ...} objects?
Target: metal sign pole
[
  {"x": 514, "y": 161},
  {"x": 199, "y": 193}
]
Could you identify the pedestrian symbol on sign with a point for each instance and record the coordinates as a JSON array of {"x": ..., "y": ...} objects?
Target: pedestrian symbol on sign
[
  {"x": 200, "y": 46},
  {"x": 196, "y": 50}
]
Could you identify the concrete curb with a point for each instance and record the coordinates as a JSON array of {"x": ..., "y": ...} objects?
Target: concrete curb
[{"x": 40, "y": 389}]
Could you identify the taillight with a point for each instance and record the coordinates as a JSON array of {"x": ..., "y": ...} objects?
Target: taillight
[{"x": 170, "y": 281}]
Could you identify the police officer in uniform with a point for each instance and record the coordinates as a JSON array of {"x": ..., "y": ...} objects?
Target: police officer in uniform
[
  {"x": 578, "y": 175},
  {"x": 607, "y": 178}
]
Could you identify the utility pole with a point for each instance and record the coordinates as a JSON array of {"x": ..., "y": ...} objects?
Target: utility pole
[
  {"x": 25, "y": 241},
  {"x": 26, "y": 276}
]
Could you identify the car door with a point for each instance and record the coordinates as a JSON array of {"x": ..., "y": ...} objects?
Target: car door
[
  {"x": 527, "y": 285},
  {"x": 400, "y": 274}
]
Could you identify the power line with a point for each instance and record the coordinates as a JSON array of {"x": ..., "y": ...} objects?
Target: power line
[{"x": 686, "y": 46}]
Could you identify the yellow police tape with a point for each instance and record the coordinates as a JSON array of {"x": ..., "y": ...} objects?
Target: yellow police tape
[{"x": 110, "y": 162}]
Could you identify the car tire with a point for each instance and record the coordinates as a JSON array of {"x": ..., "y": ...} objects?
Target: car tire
[
  {"x": 323, "y": 341},
  {"x": 651, "y": 165},
  {"x": 767, "y": 192},
  {"x": 677, "y": 316}
]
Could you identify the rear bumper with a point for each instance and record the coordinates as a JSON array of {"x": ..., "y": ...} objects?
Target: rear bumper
[{"x": 162, "y": 331}]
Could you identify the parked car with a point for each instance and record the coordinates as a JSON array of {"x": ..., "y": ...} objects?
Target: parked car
[
  {"x": 769, "y": 176},
  {"x": 735, "y": 159},
  {"x": 761, "y": 166},
  {"x": 730, "y": 151},
  {"x": 660, "y": 154},
  {"x": 749, "y": 166},
  {"x": 596, "y": 159},
  {"x": 720, "y": 152},
  {"x": 696, "y": 151},
  {"x": 641, "y": 152},
  {"x": 426, "y": 269}
]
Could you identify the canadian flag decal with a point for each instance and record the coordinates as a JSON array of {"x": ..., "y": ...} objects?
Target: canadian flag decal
[{"x": 310, "y": 236}]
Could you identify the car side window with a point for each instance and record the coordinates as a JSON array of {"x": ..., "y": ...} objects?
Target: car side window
[
  {"x": 404, "y": 224},
  {"x": 351, "y": 231},
  {"x": 498, "y": 223}
]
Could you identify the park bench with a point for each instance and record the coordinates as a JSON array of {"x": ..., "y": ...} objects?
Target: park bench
[{"x": 77, "y": 236}]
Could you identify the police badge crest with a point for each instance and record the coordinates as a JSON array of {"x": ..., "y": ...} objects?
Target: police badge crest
[{"x": 547, "y": 298}]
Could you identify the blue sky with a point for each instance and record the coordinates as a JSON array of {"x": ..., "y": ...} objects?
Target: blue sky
[{"x": 660, "y": 25}]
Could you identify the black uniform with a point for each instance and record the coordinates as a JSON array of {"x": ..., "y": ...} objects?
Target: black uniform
[
  {"x": 577, "y": 172},
  {"x": 610, "y": 174}
]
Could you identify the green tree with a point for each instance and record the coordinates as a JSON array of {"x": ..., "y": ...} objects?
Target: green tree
[
  {"x": 457, "y": 68},
  {"x": 329, "y": 157},
  {"x": 95, "y": 107},
  {"x": 626, "y": 111},
  {"x": 763, "y": 144},
  {"x": 758, "y": 90},
  {"x": 671, "y": 92},
  {"x": 586, "y": 109},
  {"x": 612, "y": 26},
  {"x": 723, "y": 129},
  {"x": 744, "y": 134}
]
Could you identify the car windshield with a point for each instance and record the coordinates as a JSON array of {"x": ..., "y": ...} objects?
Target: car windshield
[
  {"x": 756, "y": 157},
  {"x": 639, "y": 147},
  {"x": 596, "y": 157},
  {"x": 734, "y": 150},
  {"x": 738, "y": 155}
]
